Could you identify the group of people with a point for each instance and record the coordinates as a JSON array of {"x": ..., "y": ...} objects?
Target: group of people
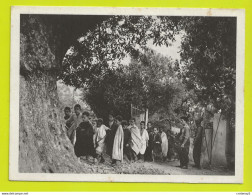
[{"x": 122, "y": 139}]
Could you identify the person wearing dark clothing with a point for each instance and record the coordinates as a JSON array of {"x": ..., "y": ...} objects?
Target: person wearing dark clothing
[
  {"x": 126, "y": 142},
  {"x": 156, "y": 143},
  {"x": 84, "y": 138},
  {"x": 184, "y": 138},
  {"x": 171, "y": 146},
  {"x": 197, "y": 144},
  {"x": 111, "y": 135},
  {"x": 148, "y": 152}
]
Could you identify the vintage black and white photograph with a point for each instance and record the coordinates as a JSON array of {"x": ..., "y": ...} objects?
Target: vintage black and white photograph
[{"x": 127, "y": 94}]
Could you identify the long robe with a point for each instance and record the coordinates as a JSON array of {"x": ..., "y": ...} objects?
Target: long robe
[
  {"x": 144, "y": 139},
  {"x": 110, "y": 138},
  {"x": 73, "y": 122},
  {"x": 84, "y": 140},
  {"x": 136, "y": 140},
  {"x": 164, "y": 144},
  {"x": 157, "y": 149},
  {"x": 117, "y": 152}
]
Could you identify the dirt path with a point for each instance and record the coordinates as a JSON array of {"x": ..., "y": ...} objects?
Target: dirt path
[
  {"x": 155, "y": 168},
  {"x": 170, "y": 168}
]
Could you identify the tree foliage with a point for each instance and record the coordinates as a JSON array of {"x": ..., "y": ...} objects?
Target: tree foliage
[
  {"x": 209, "y": 60},
  {"x": 104, "y": 47},
  {"x": 207, "y": 66},
  {"x": 147, "y": 82}
]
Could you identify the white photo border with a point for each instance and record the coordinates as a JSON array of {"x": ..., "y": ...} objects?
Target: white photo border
[{"x": 14, "y": 174}]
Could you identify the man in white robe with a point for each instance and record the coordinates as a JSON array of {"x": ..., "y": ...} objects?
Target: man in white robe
[
  {"x": 144, "y": 139},
  {"x": 117, "y": 152},
  {"x": 136, "y": 140}
]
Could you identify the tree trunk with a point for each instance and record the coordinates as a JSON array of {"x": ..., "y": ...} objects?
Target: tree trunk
[{"x": 43, "y": 144}]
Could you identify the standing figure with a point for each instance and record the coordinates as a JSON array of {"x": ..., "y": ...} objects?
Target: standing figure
[
  {"x": 157, "y": 149},
  {"x": 164, "y": 144},
  {"x": 99, "y": 139},
  {"x": 197, "y": 144},
  {"x": 84, "y": 138},
  {"x": 111, "y": 135},
  {"x": 171, "y": 146},
  {"x": 74, "y": 122},
  {"x": 67, "y": 112},
  {"x": 126, "y": 141},
  {"x": 144, "y": 139},
  {"x": 148, "y": 152},
  {"x": 117, "y": 152},
  {"x": 94, "y": 124},
  {"x": 184, "y": 138},
  {"x": 136, "y": 140}
]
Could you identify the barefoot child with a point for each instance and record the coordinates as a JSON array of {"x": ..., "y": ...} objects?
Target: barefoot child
[{"x": 99, "y": 139}]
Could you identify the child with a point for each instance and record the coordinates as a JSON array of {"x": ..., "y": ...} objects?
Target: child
[
  {"x": 99, "y": 140},
  {"x": 84, "y": 138},
  {"x": 67, "y": 112},
  {"x": 74, "y": 122},
  {"x": 157, "y": 150},
  {"x": 110, "y": 135}
]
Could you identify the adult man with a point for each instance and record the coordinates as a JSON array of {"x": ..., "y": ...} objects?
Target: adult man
[
  {"x": 111, "y": 135},
  {"x": 197, "y": 144},
  {"x": 126, "y": 141},
  {"x": 117, "y": 152},
  {"x": 184, "y": 138},
  {"x": 145, "y": 138},
  {"x": 136, "y": 140}
]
